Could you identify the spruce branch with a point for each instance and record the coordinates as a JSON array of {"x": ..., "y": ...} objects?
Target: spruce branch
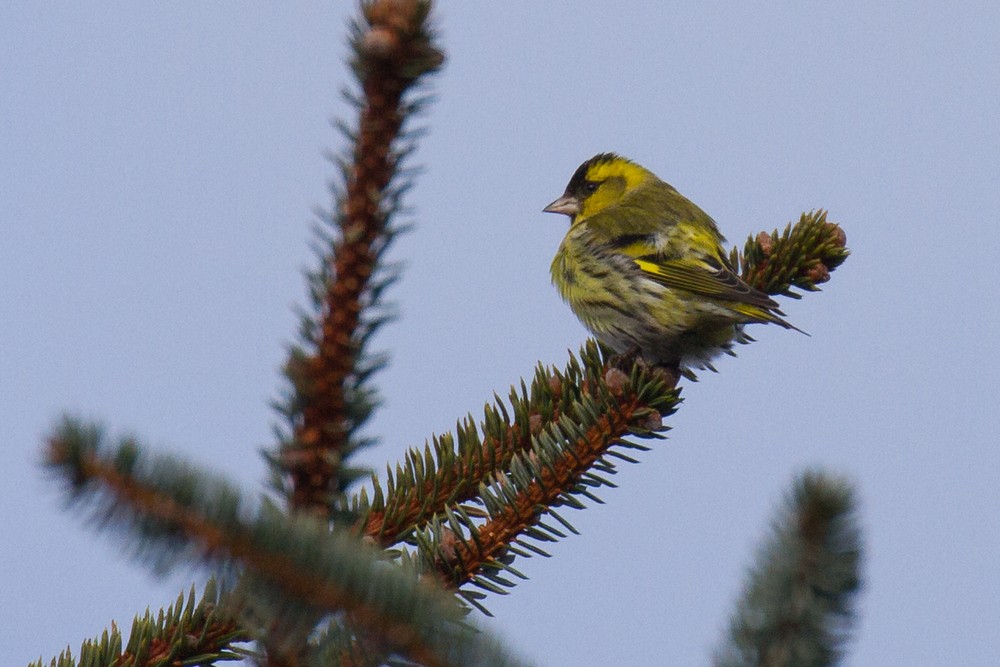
[
  {"x": 481, "y": 496},
  {"x": 798, "y": 605},
  {"x": 567, "y": 462},
  {"x": 293, "y": 567},
  {"x": 452, "y": 468},
  {"x": 189, "y": 632},
  {"x": 803, "y": 256},
  {"x": 330, "y": 399}
]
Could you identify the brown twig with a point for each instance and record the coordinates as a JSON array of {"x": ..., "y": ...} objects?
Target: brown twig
[
  {"x": 553, "y": 483},
  {"x": 457, "y": 480},
  {"x": 456, "y": 483},
  {"x": 801, "y": 256},
  {"x": 391, "y": 55}
]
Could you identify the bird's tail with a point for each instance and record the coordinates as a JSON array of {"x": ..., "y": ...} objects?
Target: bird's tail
[{"x": 764, "y": 316}]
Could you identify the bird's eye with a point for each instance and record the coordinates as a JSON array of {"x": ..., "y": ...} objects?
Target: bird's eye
[{"x": 590, "y": 187}]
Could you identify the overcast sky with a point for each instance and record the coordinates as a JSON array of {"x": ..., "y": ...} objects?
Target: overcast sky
[{"x": 159, "y": 165}]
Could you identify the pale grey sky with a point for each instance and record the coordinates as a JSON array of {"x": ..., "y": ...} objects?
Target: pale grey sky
[{"x": 158, "y": 167}]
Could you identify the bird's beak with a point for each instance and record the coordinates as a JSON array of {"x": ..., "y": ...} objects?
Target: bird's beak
[{"x": 567, "y": 205}]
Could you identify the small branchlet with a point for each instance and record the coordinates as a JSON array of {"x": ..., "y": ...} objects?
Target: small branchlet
[
  {"x": 330, "y": 396},
  {"x": 798, "y": 604},
  {"x": 189, "y": 632},
  {"x": 803, "y": 256},
  {"x": 481, "y": 496}
]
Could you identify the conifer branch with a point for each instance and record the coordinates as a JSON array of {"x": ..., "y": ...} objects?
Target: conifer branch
[
  {"x": 294, "y": 568},
  {"x": 802, "y": 256},
  {"x": 560, "y": 466},
  {"x": 451, "y": 470},
  {"x": 480, "y": 497},
  {"x": 798, "y": 605},
  {"x": 187, "y": 633},
  {"x": 393, "y": 49}
]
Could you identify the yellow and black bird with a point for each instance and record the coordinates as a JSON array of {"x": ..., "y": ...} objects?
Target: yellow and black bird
[{"x": 645, "y": 270}]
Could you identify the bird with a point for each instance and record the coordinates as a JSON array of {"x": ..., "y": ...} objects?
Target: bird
[{"x": 644, "y": 269}]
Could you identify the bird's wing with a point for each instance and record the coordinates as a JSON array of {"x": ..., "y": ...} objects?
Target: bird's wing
[{"x": 703, "y": 276}]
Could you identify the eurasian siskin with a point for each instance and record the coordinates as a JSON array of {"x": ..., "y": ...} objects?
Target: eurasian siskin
[{"x": 645, "y": 270}]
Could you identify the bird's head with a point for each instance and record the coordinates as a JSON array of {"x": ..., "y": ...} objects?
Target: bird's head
[{"x": 598, "y": 184}]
